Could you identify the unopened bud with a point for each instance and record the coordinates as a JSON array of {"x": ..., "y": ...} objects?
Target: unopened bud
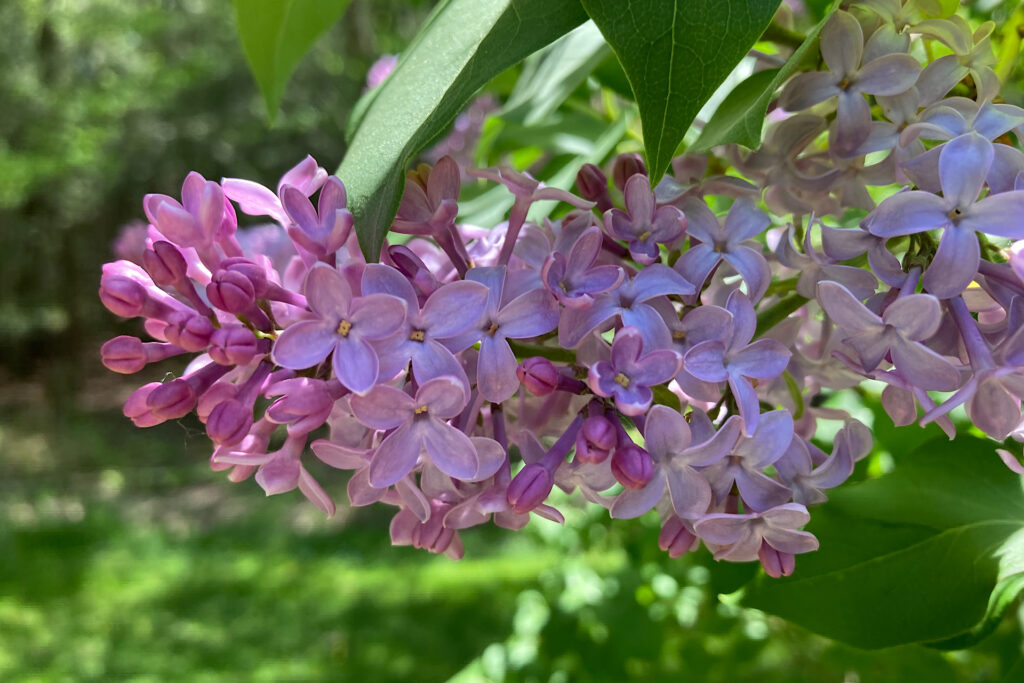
[
  {"x": 538, "y": 375},
  {"x": 676, "y": 538},
  {"x": 776, "y": 563},
  {"x": 626, "y": 166},
  {"x": 529, "y": 488},
  {"x": 231, "y": 291},
  {"x": 592, "y": 184},
  {"x": 233, "y": 345},
  {"x": 596, "y": 439},
  {"x": 172, "y": 400},
  {"x": 190, "y": 332},
  {"x": 632, "y": 466},
  {"x": 124, "y": 354},
  {"x": 136, "y": 408},
  {"x": 123, "y": 296},
  {"x": 164, "y": 263}
]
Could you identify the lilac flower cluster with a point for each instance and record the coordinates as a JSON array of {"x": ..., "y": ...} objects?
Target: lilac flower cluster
[{"x": 642, "y": 349}]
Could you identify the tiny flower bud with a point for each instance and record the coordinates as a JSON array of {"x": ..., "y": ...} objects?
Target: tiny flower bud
[
  {"x": 233, "y": 345},
  {"x": 675, "y": 538},
  {"x": 632, "y": 466},
  {"x": 252, "y": 271},
  {"x": 190, "y": 332},
  {"x": 172, "y": 400},
  {"x": 596, "y": 439},
  {"x": 164, "y": 263},
  {"x": 626, "y": 166},
  {"x": 592, "y": 184},
  {"x": 775, "y": 563},
  {"x": 229, "y": 422},
  {"x": 136, "y": 408},
  {"x": 122, "y": 296},
  {"x": 432, "y": 535},
  {"x": 124, "y": 354},
  {"x": 538, "y": 375},
  {"x": 529, "y": 488},
  {"x": 231, "y": 291}
]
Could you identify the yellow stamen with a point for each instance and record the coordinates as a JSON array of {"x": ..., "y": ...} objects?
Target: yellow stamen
[
  {"x": 344, "y": 327},
  {"x": 644, "y": 235},
  {"x": 621, "y": 380},
  {"x": 679, "y": 335},
  {"x": 420, "y": 410},
  {"x": 417, "y": 335},
  {"x": 492, "y": 329}
]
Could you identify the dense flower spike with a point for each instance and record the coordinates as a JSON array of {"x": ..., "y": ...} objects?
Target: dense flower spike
[{"x": 664, "y": 350}]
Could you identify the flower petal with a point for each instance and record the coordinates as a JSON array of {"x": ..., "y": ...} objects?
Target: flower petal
[
  {"x": 955, "y": 263},
  {"x": 303, "y": 344},
  {"x": 383, "y": 408},
  {"x": 963, "y": 165},
  {"x": 355, "y": 363},
  {"x": 327, "y": 292},
  {"x": 395, "y": 457},
  {"x": 449, "y": 449}
]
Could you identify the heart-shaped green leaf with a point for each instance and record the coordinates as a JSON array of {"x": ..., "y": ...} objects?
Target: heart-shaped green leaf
[
  {"x": 675, "y": 54},
  {"x": 933, "y": 551},
  {"x": 277, "y": 35},
  {"x": 463, "y": 45}
]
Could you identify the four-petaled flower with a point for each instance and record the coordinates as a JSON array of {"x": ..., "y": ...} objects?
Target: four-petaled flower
[{"x": 631, "y": 373}]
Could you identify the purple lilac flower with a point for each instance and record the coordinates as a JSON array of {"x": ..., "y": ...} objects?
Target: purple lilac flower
[
  {"x": 677, "y": 463},
  {"x": 842, "y": 46},
  {"x": 739, "y": 362},
  {"x": 739, "y": 537},
  {"x": 321, "y": 231},
  {"x": 807, "y": 482},
  {"x": 744, "y": 464},
  {"x": 343, "y": 324},
  {"x": 725, "y": 242},
  {"x": 574, "y": 279},
  {"x": 963, "y": 165},
  {"x": 418, "y": 424},
  {"x": 630, "y": 374},
  {"x": 897, "y": 333},
  {"x": 630, "y": 302},
  {"x": 644, "y": 225},
  {"x": 256, "y": 200}
]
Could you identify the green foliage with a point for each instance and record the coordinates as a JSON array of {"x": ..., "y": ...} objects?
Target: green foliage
[
  {"x": 676, "y": 53},
  {"x": 933, "y": 551},
  {"x": 464, "y": 44},
  {"x": 277, "y": 35},
  {"x": 740, "y": 117}
]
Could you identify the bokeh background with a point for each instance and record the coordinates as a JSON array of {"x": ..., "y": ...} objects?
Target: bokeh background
[{"x": 122, "y": 557}]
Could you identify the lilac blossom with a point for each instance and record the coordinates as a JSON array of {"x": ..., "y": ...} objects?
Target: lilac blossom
[
  {"x": 746, "y": 460},
  {"x": 963, "y": 165},
  {"x": 573, "y": 278},
  {"x": 897, "y": 333},
  {"x": 644, "y": 225},
  {"x": 725, "y": 242},
  {"x": 739, "y": 537},
  {"x": 739, "y": 362},
  {"x": 631, "y": 373},
  {"x": 344, "y": 325}
]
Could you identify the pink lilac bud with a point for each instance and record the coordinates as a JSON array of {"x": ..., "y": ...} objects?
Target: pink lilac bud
[
  {"x": 231, "y": 291},
  {"x": 190, "y": 332},
  {"x": 235, "y": 345},
  {"x": 529, "y": 488},
  {"x": 128, "y": 355},
  {"x": 432, "y": 535},
  {"x": 676, "y": 538},
  {"x": 165, "y": 264},
  {"x": 172, "y": 400},
  {"x": 229, "y": 422},
  {"x": 136, "y": 408},
  {"x": 776, "y": 563},
  {"x": 596, "y": 440},
  {"x": 626, "y": 166},
  {"x": 632, "y": 466},
  {"x": 592, "y": 184},
  {"x": 122, "y": 296},
  {"x": 538, "y": 375}
]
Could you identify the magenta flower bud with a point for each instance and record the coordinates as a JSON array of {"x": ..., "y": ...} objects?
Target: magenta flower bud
[
  {"x": 592, "y": 184},
  {"x": 676, "y": 538},
  {"x": 229, "y": 422},
  {"x": 538, "y": 375},
  {"x": 233, "y": 345},
  {"x": 136, "y": 408},
  {"x": 529, "y": 488},
  {"x": 231, "y": 291},
  {"x": 432, "y": 535},
  {"x": 172, "y": 400},
  {"x": 776, "y": 563},
  {"x": 125, "y": 355},
  {"x": 164, "y": 263},
  {"x": 596, "y": 439},
  {"x": 123, "y": 296},
  {"x": 190, "y": 332},
  {"x": 252, "y": 271},
  {"x": 632, "y": 466},
  {"x": 626, "y": 166}
]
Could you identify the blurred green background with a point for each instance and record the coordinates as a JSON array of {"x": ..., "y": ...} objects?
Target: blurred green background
[{"x": 122, "y": 557}]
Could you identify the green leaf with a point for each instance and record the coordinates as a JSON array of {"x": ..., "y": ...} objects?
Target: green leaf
[
  {"x": 675, "y": 54},
  {"x": 550, "y": 75},
  {"x": 931, "y": 553},
  {"x": 741, "y": 115},
  {"x": 464, "y": 44},
  {"x": 276, "y": 36}
]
